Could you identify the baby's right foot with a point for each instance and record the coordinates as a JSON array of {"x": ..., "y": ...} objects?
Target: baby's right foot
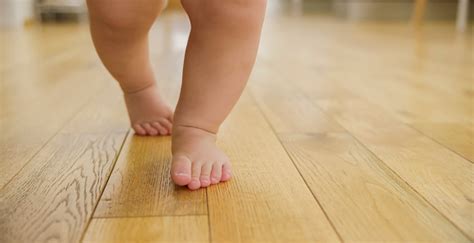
[
  {"x": 197, "y": 161},
  {"x": 149, "y": 114}
]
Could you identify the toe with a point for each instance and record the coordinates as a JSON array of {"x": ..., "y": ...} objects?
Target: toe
[
  {"x": 196, "y": 173},
  {"x": 149, "y": 129},
  {"x": 166, "y": 124},
  {"x": 139, "y": 130},
  {"x": 161, "y": 130},
  {"x": 226, "y": 172},
  {"x": 181, "y": 170},
  {"x": 216, "y": 173},
  {"x": 206, "y": 174},
  {"x": 194, "y": 184}
]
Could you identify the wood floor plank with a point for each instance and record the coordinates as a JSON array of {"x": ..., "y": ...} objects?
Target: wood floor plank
[
  {"x": 442, "y": 177},
  {"x": 33, "y": 45},
  {"x": 140, "y": 184},
  {"x": 339, "y": 169},
  {"x": 398, "y": 93},
  {"x": 32, "y": 131},
  {"x": 34, "y": 107},
  {"x": 385, "y": 69},
  {"x": 267, "y": 200},
  {"x": 393, "y": 141},
  {"x": 149, "y": 229},
  {"x": 53, "y": 197},
  {"x": 404, "y": 99},
  {"x": 287, "y": 109},
  {"x": 458, "y": 137},
  {"x": 105, "y": 113}
]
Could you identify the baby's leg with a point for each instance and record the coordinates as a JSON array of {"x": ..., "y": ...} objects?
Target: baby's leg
[
  {"x": 119, "y": 30},
  {"x": 219, "y": 57}
]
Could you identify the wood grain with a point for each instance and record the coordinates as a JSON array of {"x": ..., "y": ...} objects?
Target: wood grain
[
  {"x": 372, "y": 82},
  {"x": 149, "y": 229},
  {"x": 34, "y": 107},
  {"x": 248, "y": 208},
  {"x": 339, "y": 169},
  {"x": 287, "y": 108},
  {"x": 53, "y": 197},
  {"x": 140, "y": 184},
  {"x": 459, "y": 137},
  {"x": 418, "y": 160}
]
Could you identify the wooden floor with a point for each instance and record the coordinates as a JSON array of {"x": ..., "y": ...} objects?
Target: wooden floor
[{"x": 346, "y": 132}]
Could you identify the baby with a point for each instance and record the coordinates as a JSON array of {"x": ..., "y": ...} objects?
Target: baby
[{"x": 219, "y": 57}]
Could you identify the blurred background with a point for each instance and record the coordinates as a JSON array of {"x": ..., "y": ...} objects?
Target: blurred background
[{"x": 14, "y": 13}]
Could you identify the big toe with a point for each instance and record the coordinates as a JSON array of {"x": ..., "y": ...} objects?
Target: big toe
[{"x": 181, "y": 170}]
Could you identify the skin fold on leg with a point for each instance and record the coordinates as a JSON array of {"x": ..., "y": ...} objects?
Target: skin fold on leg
[
  {"x": 221, "y": 52},
  {"x": 119, "y": 30}
]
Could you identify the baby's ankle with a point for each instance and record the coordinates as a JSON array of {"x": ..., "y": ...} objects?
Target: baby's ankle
[
  {"x": 192, "y": 119},
  {"x": 184, "y": 134},
  {"x": 128, "y": 91},
  {"x": 191, "y": 131}
]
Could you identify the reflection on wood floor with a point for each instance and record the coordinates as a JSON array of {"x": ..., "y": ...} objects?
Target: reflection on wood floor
[{"x": 347, "y": 132}]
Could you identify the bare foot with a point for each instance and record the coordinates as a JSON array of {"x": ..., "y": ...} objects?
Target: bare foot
[
  {"x": 197, "y": 162},
  {"x": 149, "y": 114}
]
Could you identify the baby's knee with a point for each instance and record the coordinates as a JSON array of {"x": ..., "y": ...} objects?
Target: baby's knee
[
  {"x": 125, "y": 15},
  {"x": 233, "y": 13}
]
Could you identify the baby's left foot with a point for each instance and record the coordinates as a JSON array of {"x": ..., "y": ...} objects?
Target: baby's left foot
[
  {"x": 197, "y": 162},
  {"x": 149, "y": 113}
]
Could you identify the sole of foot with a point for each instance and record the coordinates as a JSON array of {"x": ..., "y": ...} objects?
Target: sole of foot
[
  {"x": 197, "y": 161},
  {"x": 149, "y": 114}
]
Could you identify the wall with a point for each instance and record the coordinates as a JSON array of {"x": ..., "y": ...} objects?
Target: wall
[{"x": 14, "y": 13}]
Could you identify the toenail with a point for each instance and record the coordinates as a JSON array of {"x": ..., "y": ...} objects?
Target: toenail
[
  {"x": 182, "y": 174},
  {"x": 214, "y": 180}
]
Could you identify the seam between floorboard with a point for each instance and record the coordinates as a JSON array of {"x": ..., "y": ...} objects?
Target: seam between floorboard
[
  {"x": 81, "y": 108},
  {"x": 148, "y": 216},
  {"x": 387, "y": 167},
  {"x": 401, "y": 180},
  {"x": 436, "y": 141},
  {"x": 381, "y": 162},
  {"x": 105, "y": 185},
  {"x": 294, "y": 164},
  {"x": 208, "y": 216}
]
